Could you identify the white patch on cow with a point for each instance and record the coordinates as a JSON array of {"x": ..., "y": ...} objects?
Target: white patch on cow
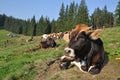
[
  {"x": 79, "y": 64},
  {"x": 44, "y": 36},
  {"x": 91, "y": 67},
  {"x": 82, "y": 63},
  {"x": 61, "y": 64},
  {"x": 71, "y": 54}
]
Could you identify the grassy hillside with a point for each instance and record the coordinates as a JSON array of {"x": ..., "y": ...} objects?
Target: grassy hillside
[
  {"x": 111, "y": 39},
  {"x": 16, "y": 64},
  {"x": 3, "y": 34}
]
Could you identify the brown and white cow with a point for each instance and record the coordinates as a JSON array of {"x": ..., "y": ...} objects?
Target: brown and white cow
[
  {"x": 85, "y": 50},
  {"x": 54, "y": 36},
  {"x": 66, "y": 36}
]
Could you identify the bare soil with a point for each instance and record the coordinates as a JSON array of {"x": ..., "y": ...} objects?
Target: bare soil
[{"x": 111, "y": 71}]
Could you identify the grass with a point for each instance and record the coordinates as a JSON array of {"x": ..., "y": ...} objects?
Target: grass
[
  {"x": 111, "y": 39},
  {"x": 16, "y": 64}
]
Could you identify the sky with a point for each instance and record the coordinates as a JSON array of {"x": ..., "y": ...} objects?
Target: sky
[{"x": 26, "y": 9}]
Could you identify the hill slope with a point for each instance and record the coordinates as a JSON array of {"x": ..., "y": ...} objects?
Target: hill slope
[{"x": 16, "y": 64}]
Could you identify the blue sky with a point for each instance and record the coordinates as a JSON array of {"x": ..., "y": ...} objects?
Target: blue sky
[{"x": 25, "y": 9}]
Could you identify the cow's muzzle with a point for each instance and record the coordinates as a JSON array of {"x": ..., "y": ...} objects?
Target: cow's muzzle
[{"x": 69, "y": 52}]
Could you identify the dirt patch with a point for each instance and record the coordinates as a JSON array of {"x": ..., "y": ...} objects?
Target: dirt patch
[
  {"x": 48, "y": 72},
  {"x": 110, "y": 71}
]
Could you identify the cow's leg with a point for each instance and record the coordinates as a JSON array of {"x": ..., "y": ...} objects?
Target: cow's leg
[
  {"x": 79, "y": 65},
  {"x": 64, "y": 63},
  {"x": 94, "y": 69}
]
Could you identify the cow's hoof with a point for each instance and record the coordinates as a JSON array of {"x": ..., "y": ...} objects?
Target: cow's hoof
[{"x": 94, "y": 71}]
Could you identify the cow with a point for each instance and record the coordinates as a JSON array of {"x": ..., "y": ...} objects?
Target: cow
[
  {"x": 44, "y": 36},
  {"x": 55, "y": 36},
  {"x": 48, "y": 43},
  {"x": 66, "y": 36},
  {"x": 85, "y": 50}
]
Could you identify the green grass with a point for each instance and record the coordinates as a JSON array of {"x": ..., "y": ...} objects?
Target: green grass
[
  {"x": 15, "y": 64},
  {"x": 3, "y": 34},
  {"x": 111, "y": 39}
]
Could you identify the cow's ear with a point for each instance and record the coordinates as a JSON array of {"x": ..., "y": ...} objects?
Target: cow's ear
[
  {"x": 82, "y": 33},
  {"x": 95, "y": 34}
]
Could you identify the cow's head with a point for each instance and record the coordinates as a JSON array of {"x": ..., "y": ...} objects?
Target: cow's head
[{"x": 80, "y": 38}]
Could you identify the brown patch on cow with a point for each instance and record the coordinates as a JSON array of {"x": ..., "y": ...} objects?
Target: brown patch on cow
[
  {"x": 66, "y": 37},
  {"x": 95, "y": 58},
  {"x": 79, "y": 28},
  {"x": 96, "y": 34}
]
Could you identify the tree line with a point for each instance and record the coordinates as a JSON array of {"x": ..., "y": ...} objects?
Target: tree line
[{"x": 69, "y": 16}]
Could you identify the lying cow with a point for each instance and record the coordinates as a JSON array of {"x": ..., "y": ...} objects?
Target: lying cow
[
  {"x": 48, "y": 43},
  {"x": 85, "y": 50},
  {"x": 44, "y": 36}
]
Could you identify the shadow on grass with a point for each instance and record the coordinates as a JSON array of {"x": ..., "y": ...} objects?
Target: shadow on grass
[
  {"x": 106, "y": 58},
  {"x": 118, "y": 78}
]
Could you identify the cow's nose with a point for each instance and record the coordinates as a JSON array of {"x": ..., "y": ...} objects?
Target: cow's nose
[{"x": 67, "y": 50}]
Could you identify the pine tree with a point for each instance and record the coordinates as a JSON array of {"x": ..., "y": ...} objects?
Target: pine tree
[
  {"x": 53, "y": 26},
  {"x": 61, "y": 19},
  {"x": 117, "y": 14},
  {"x": 82, "y": 16},
  {"x": 101, "y": 18},
  {"x": 25, "y": 27},
  {"x": 2, "y": 20},
  {"x": 96, "y": 18},
  {"x": 48, "y": 26},
  {"x": 104, "y": 14},
  {"x": 71, "y": 15},
  {"x": 33, "y": 27},
  {"x": 75, "y": 14},
  {"x": 40, "y": 24},
  {"x": 66, "y": 18}
]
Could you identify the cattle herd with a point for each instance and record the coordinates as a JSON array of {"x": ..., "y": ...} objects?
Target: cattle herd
[
  {"x": 56, "y": 36},
  {"x": 48, "y": 40},
  {"x": 85, "y": 48}
]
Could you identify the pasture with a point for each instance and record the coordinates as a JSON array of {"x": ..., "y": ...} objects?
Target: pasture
[{"x": 16, "y": 64}]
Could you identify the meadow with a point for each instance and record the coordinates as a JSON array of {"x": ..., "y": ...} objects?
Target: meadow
[{"x": 17, "y": 64}]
